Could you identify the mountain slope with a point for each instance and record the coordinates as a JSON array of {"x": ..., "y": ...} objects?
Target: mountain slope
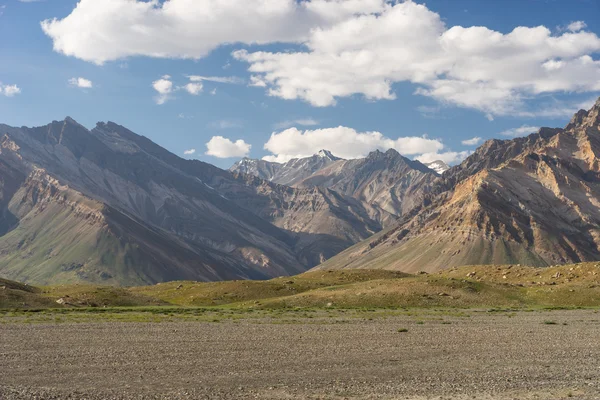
[
  {"x": 323, "y": 221},
  {"x": 289, "y": 173},
  {"x": 319, "y": 223},
  {"x": 157, "y": 221},
  {"x": 531, "y": 200},
  {"x": 387, "y": 181}
]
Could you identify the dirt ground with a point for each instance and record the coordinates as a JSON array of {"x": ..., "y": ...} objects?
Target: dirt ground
[{"x": 522, "y": 355}]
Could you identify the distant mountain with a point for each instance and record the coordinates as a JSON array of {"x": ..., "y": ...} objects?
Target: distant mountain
[
  {"x": 386, "y": 181},
  {"x": 289, "y": 173},
  {"x": 438, "y": 166},
  {"x": 533, "y": 201},
  {"x": 259, "y": 168}
]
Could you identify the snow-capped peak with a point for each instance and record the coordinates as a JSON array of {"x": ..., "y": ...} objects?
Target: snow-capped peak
[
  {"x": 438, "y": 166},
  {"x": 326, "y": 154}
]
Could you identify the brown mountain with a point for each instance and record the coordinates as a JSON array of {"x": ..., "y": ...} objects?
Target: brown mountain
[{"x": 532, "y": 200}]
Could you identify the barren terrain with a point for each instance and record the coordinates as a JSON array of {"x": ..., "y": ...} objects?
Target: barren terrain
[{"x": 286, "y": 354}]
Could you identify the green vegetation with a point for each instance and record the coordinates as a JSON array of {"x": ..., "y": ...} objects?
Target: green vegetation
[{"x": 493, "y": 287}]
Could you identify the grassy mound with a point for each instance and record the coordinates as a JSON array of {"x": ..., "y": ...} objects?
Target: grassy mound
[{"x": 466, "y": 287}]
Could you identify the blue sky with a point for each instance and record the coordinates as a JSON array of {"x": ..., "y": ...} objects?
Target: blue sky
[{"x": 367, "y": 80}]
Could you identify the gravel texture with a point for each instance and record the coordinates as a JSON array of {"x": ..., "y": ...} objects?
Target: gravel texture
[{"x": 483, "y": 356}]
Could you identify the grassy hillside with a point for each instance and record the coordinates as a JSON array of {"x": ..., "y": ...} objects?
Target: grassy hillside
[{"x": 466, "y": 287}]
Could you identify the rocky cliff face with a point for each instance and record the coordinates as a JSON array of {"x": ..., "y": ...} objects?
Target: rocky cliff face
[{"x": 532, "y": 200}]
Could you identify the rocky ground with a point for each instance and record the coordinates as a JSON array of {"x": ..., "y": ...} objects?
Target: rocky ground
[{"x": 470, "y": 355}]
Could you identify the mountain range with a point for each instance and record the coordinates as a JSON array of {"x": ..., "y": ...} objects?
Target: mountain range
[
  {"x": 533, "y": 201},
  {"x": 109, "y": 206}
]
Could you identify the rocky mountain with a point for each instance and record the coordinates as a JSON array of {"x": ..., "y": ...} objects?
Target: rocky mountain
[
  {"x": 107, "y": 205},
  {"x": 438, "y": 166},
  {"x": 289, "y": 173},
  {"x": 323, "y": 221},
  {"x": 533, "y": 200},
  {"x": 110, "y": 206},
  {"x": 387, "y": 181},
  {"x": 259, "y": 168}
]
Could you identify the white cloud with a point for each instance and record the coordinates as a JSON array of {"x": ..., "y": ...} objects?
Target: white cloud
[
  {"x": 81, "y": 83},
  {"x": 9, "y": 90},
  {"x": 221, "y": 147},
  {"x": 213, "y": 92},
  {"x": 350, "y": 47},
  {"x": 472, "y": 142},
  {"x": 345, "y": 142},
  {"x": 189, "y": 152},
  {"x": 291, "y": 122},
  {"x": 576, "y": 26},
  {"x": 100, "y": 31},
  {"x": 473, "y": 67},
  {"x": 194, "y": 88},
  {"x": 524, "y": 130},
  {"x": 449, "y": 157},
  {"x": 164, "y": 87}
]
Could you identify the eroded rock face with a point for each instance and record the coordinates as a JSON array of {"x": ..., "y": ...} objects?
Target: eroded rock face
[{"x": 532, "y": 200}]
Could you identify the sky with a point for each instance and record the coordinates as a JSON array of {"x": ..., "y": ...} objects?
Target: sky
[{"x": 218, "y": 80}]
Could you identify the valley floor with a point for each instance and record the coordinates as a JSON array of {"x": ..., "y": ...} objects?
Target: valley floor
[{"x": 302, "y": 354}]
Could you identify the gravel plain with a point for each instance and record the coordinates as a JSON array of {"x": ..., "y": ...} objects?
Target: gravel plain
[{"x": 483, "y": 355}]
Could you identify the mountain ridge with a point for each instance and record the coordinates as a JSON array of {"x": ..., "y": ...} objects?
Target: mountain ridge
[{"x": 531, "y": 200}]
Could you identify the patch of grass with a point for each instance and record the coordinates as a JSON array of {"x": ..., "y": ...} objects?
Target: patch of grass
[
  {"x": 402, "y": 330},
  {"x": 550, "y": 323}
]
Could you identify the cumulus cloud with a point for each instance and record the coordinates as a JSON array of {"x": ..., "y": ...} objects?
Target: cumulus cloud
[
  {"x": 472, "y": 142},
  {"x": 81, "y": 83},
  {"x": 349, "y": 47},
  {"x": 194, "y": 88},
  {"x": 576, "y": 26},
  {"x": 472, "y": 67},
  {"x": 345, "y": 142},
  {"x": 100, "y": 31},
  {"x": 523, "y": 130},
  {"x": 189, "y": 152},
  {"x": 164, "y": 87},
  {"x": 221, "y": 147},
  {"x": 9, "y": 90}
]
